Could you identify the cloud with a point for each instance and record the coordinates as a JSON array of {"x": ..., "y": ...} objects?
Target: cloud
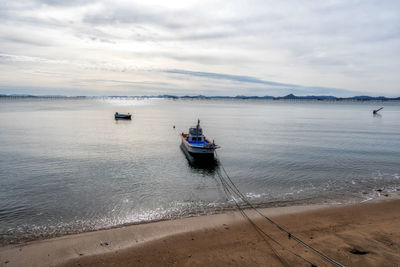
[
  {"x": 62, "y": 3},
  {"x": 134, "y": 14},
  {"x": 22, "y": 40},
  {"x": 276, "y": 87},
  {"x": 125, "y": 82},
  {"x": 262, "y": 45},
  {"x": 20, "y": 58},
  {"x": 238, "y": 78}
]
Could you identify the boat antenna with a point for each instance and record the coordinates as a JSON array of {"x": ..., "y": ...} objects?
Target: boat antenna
[{"x": 197, "y": 132}]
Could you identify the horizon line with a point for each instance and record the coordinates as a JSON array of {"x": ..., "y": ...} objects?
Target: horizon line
[{"x": 288, "y": 96}]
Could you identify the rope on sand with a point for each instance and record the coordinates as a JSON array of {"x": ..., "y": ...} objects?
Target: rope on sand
[
  {"x": 228, "y": 191},
  {"x": 230, "y": 187}
]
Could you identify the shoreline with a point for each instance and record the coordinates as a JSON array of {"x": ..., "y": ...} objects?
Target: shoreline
[
  {"x": 102, "y": 246},
  {"x": 362, "y": 197}
]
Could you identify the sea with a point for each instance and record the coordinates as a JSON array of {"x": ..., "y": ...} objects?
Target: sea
[{"x": 67, "y": 166}]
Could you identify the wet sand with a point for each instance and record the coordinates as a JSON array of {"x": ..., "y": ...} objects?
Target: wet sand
[{"x": 366, "y": 234}]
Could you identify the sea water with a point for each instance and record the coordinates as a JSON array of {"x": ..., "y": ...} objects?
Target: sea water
[{"x": 67, "y": 166}]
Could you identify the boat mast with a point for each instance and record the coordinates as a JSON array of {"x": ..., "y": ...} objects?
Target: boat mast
[{"x": 197, "y": 132}]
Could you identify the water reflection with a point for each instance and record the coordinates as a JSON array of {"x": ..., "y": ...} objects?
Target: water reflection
[
  {"x": 122, "y": 121},
  {"x": 204, "y": 167},
  {"x": 377, "y": 115}
]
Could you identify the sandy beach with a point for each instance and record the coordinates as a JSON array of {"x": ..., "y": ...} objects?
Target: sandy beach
[{"x": 365, "y": 234}]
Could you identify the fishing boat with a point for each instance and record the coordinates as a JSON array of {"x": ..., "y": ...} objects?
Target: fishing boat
[
  {"x": 122, "y": 116},
  {"x": 196, "y": 146}
]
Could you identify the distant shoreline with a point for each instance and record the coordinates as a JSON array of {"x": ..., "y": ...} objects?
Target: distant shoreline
[{"x": 287, "y": 97}]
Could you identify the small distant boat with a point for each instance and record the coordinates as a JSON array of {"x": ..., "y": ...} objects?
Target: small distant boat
[
  {"x": 122, "y": 116},
  {"x": 196, "y": 145}
]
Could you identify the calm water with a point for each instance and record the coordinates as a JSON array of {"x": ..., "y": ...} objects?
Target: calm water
[{"x": 67, "y": 166}]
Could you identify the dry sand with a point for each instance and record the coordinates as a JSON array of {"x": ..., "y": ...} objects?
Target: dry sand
[{"x": 366, "y": 234}]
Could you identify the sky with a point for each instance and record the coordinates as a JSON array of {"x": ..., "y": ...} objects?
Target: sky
[{"x": 308, "y": 47}]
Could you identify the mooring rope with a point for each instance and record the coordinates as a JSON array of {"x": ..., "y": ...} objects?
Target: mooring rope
[
  {"x": 227, "y": 188},
  {"x": 259, "y": 230},
  {"x": 236, "y": 190},
  {"x": 263, "y": 234}
]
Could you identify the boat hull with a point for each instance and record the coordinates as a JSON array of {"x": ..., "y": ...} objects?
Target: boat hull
[
  {"x": 208, "y": 164},
  {"x": 200, "y": 153},
  {"x": 123, "y": 117},
  {"x": 201, "y": 158}
]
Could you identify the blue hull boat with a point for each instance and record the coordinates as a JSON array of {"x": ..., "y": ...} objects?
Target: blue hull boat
[
  {"x": 195, "y": 145},
  {"x": 122, "y": 116}
]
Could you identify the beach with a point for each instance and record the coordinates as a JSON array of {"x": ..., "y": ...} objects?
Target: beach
[{"x": 364, "y": 234}]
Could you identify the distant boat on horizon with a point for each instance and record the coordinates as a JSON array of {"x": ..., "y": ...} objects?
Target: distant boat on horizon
[{"x": 122, "y": 116}]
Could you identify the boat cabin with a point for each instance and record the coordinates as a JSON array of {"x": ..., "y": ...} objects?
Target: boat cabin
[
  {"x": 196, "y": 138},
  {"x": 195, "y": 131},
  {"x": 195, "y": 135}
]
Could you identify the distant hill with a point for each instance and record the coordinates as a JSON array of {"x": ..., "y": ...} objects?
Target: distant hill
[
  {"x": 27, "y": 95},
  {"x": 320, "y": 97},
  {"x": 287, "y": 97}
]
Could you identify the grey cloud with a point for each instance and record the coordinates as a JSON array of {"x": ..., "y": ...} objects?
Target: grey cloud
[
  {"x": 22, "y": 58},
  {"x": 218, "y": 59},
  {"x": 87, "y": 65},
  {"x": 208, "y": 36},
  {"x": 103, "y": 40},
  {"x": 238, "y": 78},
  {"x": 182, "y": 24},
  {"x": 125, "y": 82},
  {"x": 63, "y": 2},
  {"x": 29, "y": 4},
  {"x": 134, "y": 14},
  {"x": 284, "y": 87},
  {"x": 358, "y": 21},
  {"x": 29, "y": 41}
]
